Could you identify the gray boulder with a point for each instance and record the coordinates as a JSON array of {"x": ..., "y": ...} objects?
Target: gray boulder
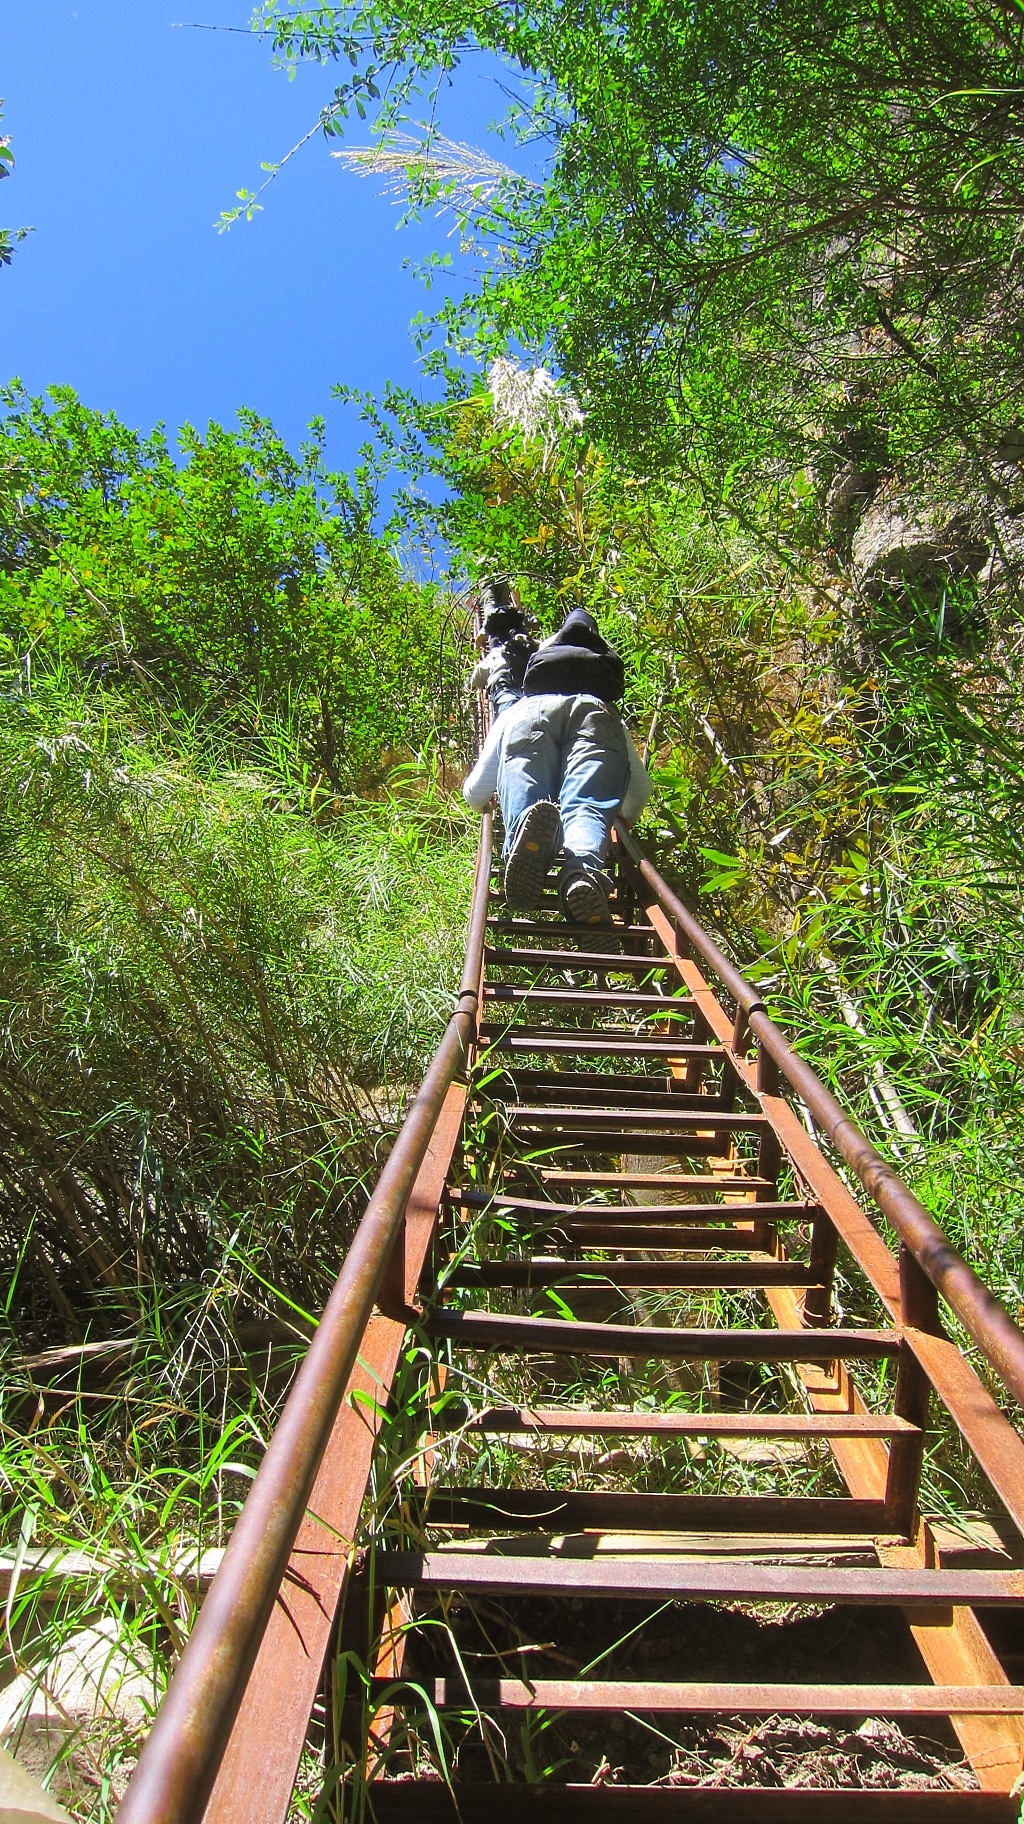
[{"x": 903, "y": 543}]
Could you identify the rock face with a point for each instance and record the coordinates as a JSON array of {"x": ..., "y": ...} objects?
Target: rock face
[
  {"x": 1004, "y": 571},
  {"x": 97, "y": 1687},
  {"x": 846, "y": 502},
  {"x": 901, "y": 543}
]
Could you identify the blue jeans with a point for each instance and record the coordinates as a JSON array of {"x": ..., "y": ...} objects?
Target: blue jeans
[
  {"x": 502, "y": 692},
  {"x": 571, "y": 750}
]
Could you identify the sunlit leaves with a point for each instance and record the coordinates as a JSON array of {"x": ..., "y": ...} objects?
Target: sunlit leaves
[{"x": 237, "y": 582}]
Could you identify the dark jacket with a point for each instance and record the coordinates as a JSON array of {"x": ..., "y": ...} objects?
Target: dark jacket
[{"x": 576, "y": 661}]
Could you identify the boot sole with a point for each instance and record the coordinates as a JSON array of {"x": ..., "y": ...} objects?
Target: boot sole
[
  {"x": 527, "y": 866},
  {"x": 585, "y": 904}
]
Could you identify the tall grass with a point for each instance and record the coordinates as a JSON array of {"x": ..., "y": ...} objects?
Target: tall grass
[
  {"x": 211, "y": 996},
  {"x": 216, "y": 991}
]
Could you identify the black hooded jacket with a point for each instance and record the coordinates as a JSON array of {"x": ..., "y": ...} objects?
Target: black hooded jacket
[{"x": 576, "y": 661}]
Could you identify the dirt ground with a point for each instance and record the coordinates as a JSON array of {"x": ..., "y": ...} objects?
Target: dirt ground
[{"x": 536, "y": 1637}]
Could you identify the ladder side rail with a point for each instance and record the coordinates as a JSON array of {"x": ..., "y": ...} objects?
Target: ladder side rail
[
  {"x": 985, "y": 1319},
  {"x": 178, "y": 1765},
  {"x": 986, "y": 1429}
]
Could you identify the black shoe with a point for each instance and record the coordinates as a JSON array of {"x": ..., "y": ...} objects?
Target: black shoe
[
  {"x": 585, "y": 900},
  {"x": 500, "y": 623},
  {"x": 495, "y": 592},
  {"x": 529, "y": 858}
]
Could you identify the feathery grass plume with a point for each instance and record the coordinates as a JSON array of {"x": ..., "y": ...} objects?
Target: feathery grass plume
[
  {"x": 531, "y": 401},
  {"x": 458, "y": 177}
]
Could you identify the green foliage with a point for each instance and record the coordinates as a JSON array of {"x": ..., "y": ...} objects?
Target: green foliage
[
  {"x": 234, "y": 884},
  {"x": 242, "y": 588},
  {"x": 214, "y": 951},
  {"x": 221, "y": 967},
  {"x": 855, "y": 836},
  {"x": 202, "y": 985},
  {"x": 767, "y": 245}
]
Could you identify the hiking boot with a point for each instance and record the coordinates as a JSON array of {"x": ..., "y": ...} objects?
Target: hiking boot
[
  {"x": 529, "y": 858},
  {"x": 585, "y": 900},
  {"x": 500, "y": 623}
]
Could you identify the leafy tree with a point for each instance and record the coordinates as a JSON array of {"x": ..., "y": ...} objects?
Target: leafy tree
[
  {"x": 770, "y": 245},
  {"x": 214, "y": 948},
  {"x": 244, "y": 588}
]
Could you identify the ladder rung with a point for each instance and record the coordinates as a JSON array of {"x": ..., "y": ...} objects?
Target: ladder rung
[
  {"x": 540, "y": 927},
  {"x": 669, "y": 1041},
  {"x": 678, "y": 1240},
  {"x": 574, "y": 1422},
  {"x": 634, "y": 1134},
  {"x": 591, "y": 997},
  {"x": 700, "y": 1580},
  {"x": 493, "y": 1330},
  {"x": 692, "y": 1120},
  {"x": 604, "y": 960},
  {"x": 716, "y": 1699},
  {"x": 590, "y": 1090},
  {"x": 636, "y": 1138},
  {"x": 587, "y": 1043},
  {"x": 581, "y": 1275},
  {"x": 656, "y": 1181},
  {"x": 417, "y": 1801},
  {"x": 569, "y": 1511},
  {"x": 640, "y": 1212}
]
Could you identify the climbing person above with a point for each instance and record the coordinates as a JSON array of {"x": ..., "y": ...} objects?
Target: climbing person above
[
  {"x": 507, "y": 645},
  {"x": 564, "y": 766}
]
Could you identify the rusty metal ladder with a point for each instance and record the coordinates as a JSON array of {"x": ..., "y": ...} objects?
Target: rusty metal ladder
[{"x": 622, "y": 1075}]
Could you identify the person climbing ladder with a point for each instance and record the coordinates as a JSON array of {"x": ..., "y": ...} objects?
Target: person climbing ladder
[
  {"x": 564, "y": 766},
  {"x": 507, "y": 646}
]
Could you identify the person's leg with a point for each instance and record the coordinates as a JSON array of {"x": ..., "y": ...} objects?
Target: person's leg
[
  {"x": 594, "y": 779},
  {"x": 528, "y": 774},
  {"x": 508, "y": 658},
  {"x": 529, "y": 768},
  {"x": 502, "y": 692}
]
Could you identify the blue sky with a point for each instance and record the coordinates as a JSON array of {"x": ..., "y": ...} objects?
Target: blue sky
[{"x": 130, "y": 138}]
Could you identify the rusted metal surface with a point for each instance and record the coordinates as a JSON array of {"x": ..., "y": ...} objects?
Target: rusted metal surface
[
  {"x": 589, "y": 997},
  {"x": 510, "y": 1038},
  {"x": 273, "y": 1719},
  {"x": 178, "y": 1765},
  {"x": 731, "y": 1700},
  {"x": 639, "y": 1119},
  {"x": 677, "y": 1580},
  {"x": 484, "y": 1329},
  {"x": 698, "y": 1093},
  {"x": 597, "y": 1510},
  {"x": 519, "y": 1085},
  {"x": 431, "y": 1802},
  {"x": 981, "y": 1313},
  {"x": 657, "y": 1181},
  {"x": 619, "y": 1212},
  {"x": 737, "y": 1238},
  {"x": 563, "y": 933},
  {"x": 617, "y": 962},
  {"x": 690, "y": 1424},
  {"x": 630, "y": 1274}
]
